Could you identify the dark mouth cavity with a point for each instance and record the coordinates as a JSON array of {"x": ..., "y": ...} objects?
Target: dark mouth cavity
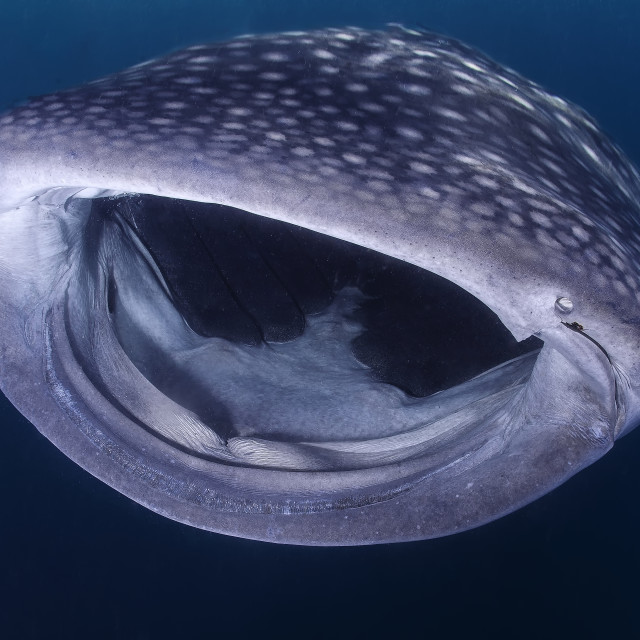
[{"x": 253, "y": 280}]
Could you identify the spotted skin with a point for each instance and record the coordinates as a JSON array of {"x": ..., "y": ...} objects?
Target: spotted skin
[
  {"x": 405, "y": 142},
  {"x": 320, "y": 106},
  {"x": 410, "y": 121}
]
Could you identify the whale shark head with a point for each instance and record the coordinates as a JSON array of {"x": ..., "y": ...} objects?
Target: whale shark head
[{"x": 335, "y": 287}]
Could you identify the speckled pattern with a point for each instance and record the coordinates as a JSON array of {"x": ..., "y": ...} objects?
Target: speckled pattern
[
  {"x": 404, "y": 142},
  {"x": 386, "y": 117}
]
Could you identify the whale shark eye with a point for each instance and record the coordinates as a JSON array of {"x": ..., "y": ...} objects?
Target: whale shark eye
[{"x": 564, "y": 306}]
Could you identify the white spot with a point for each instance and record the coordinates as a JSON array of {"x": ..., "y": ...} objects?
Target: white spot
[
  {"x": 203, "y": 59},
  {"x": 372, "y": 107},
  {"x": 541, "y": 219},
  {"x": 189, "y": 80},
  {"x": 175, "y": 105},
  {"x": 275, "y": 56},
  {"x": 515, "y": 219},
  {"x": 287, "y": 122},
  {"x": 423, "y": 53},
  {"x": 353, "y": 158},
  {"x": 461, "y": 75},
  {"x": 564, "y": 120},
  {"x": 416, "y": 89},
  {"x": 356, "y": 87},
  {"x": 472, "y": 65},
  {"x": 523, "y": 186},
  {"x": 411, "y": 112},
  {"x": 580, "y": 233},
  {"x": 421, "y": 167},
  {"x": 409, "y": 132},
  {"x": 591, "y": 153},
  {"x": 463, "y": 89},
  {"x": 520, "y": 100},
  {"x": 346, "y": 126},
  {"x": 239, "y": 111},
  {"x": 541, "y": 205},
  {"x": 276, "y": 135},
  {"x": 485, "y": 181},
  {"x": 274, "y": 76},
  {"x": 420, "y": 73},
  {"x": 367, "y": 196},
  {"x": 505, "y": 202},
  {"x": 162, "y": 121},
  {"x": 203, "y": 119},
  {"x": 620, "y": 287},
  {"x": 429, "y": 192},
  {"x": 509, "y": 82},
  {"x": 324, "y": 142},
  {"x": 345, "y": 36},
  {"x": 376, "y": 59},
  {"x": 451, "y": 114},
  {"x": 381, "y": 175},
  {"x": 378, "y": 185},
  {"x": 323, "y": 54},
  {"x": 539, "y": 133},
  {"x": 554, "y": 167},
  {"x": 303, "y": 152}
]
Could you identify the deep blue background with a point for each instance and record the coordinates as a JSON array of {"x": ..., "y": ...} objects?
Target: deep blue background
[{"x": 77, "y": 560}]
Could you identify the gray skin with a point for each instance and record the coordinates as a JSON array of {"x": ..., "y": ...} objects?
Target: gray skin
[{"x": 407, "y": 143}]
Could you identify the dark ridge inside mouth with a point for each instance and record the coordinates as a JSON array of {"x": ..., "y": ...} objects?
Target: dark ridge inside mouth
[{"x": 252, "y": 280}]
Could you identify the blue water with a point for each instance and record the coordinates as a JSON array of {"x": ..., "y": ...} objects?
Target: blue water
[{"x": 78, "y": 560}]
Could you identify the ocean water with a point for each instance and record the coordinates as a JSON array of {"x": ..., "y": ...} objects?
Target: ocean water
[{"x": 78, "y": 560}]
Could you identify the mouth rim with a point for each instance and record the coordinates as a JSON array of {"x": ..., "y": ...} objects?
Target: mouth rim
[
  {"x": 287, "y": 452},
  {"x": 363, "y": 494},
  {"x": 233, "y": 507}
]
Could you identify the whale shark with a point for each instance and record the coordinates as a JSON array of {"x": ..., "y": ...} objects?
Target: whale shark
[{"x": 334, "y": 287}]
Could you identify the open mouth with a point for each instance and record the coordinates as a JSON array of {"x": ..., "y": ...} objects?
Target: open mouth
[
  {"x": 252, "y": 342},
  {"x": 238, "y": 373}
]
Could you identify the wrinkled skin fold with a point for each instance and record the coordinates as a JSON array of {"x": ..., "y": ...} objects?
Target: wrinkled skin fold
[{"x": 343, "y": 287}]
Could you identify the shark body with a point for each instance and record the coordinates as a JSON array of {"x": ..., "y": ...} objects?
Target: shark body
[{"x": 403, "y": 144}]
